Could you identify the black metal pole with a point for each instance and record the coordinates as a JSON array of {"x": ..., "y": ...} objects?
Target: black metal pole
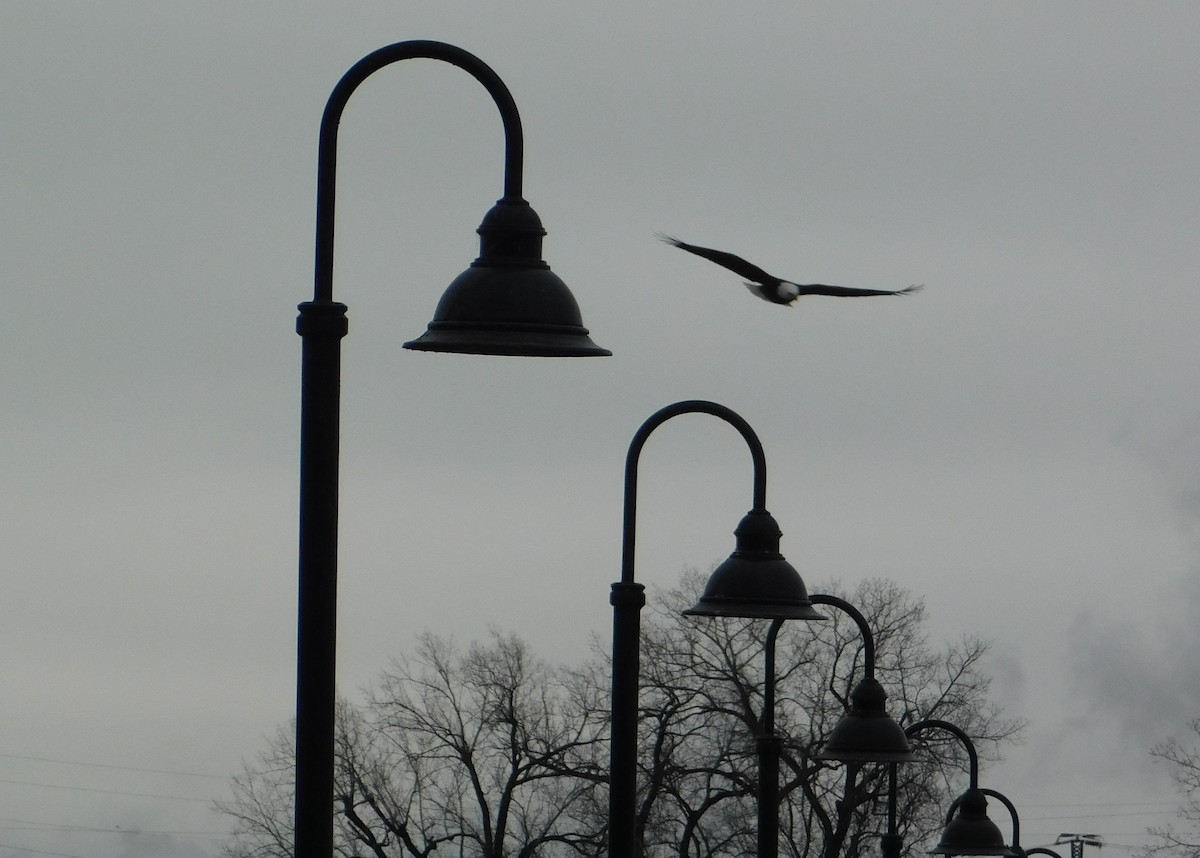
[
  {"x": 769, "y": 747},
  {"x": 322, "y": 324},
  {"x": 891, "y": 843},
  {"x": 627, "y": 599}
]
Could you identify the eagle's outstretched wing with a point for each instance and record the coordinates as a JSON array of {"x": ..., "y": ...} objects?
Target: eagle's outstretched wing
[
  {"x": 850, "y": 291},
  {"x": 726, "y": 260}
]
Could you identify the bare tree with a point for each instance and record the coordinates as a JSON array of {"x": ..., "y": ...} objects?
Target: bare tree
[
  {"x": 1184, "y": 761},
  {"x": 492, "y": 753},
  {"x": 263, "y": 798},
  {"x": 488, "y": 752}
]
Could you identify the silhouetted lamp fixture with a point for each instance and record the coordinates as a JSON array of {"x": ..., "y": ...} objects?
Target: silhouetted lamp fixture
[
  {"x": 755, "y": 581},
  {"x": 969, "y": 831},
  {"x": 507, "y": 303},
  {"x": 866, "y": 733},
  {"x": 1016, "y": 826}
]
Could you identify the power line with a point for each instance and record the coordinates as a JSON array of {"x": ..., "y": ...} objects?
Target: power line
[
  {"x": 1109, "y": 804},
  {"x": 108, "y": 791},
  {"x": 110, "y": 766},
  {"x": 1062, "y": 816},
  {"x": 66, "y": 828},
  {"x": 39, "y": 851}
]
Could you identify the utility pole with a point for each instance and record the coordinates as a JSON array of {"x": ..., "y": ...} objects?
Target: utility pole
[{"x": 1078, "y": 841}]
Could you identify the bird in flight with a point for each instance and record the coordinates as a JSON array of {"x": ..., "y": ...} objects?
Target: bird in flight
[{"x": 774, "y": 289}]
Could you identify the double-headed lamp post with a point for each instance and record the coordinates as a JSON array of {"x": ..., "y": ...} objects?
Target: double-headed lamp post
[{"x": 507, "y": 303}]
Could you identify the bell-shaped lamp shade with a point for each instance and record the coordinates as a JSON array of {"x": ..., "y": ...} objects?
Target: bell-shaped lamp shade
[
  {"x": 867, "y": 734},
  {"x": 509, "y": 302},
  {"x": 756, "y": 581},
  {"x": 970, "y": 832}
]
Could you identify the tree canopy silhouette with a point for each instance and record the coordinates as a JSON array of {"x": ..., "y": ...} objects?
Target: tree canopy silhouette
[{"x": 492, "y": 752}]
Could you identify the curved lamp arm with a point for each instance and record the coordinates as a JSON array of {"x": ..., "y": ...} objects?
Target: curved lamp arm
[
  {"x": 957, "y": 732},
  {"x": 891, "y": 843},
  {"x": 863, "y": 628},
  {"x": 327, "y": 145},
  {"x": 628, "y": 598},
  {"x": 768, "y": 716},
  {"x": 691, "y": 406},
  {"x": 971, "y": 832}
]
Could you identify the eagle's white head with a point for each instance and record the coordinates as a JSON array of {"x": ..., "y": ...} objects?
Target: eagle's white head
[{"x": 785, "y": 293}]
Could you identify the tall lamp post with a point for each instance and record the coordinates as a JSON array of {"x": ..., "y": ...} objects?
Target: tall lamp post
[
  {"x": 755, "y": 581},
  {"x": 507, "y": 303}
]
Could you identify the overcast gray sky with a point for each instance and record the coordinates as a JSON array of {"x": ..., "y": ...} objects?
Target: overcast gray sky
[{"x": 1020, "y": 443}]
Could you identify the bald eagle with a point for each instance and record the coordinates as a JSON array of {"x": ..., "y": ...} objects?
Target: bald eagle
[{"x": 774, "y": 289}]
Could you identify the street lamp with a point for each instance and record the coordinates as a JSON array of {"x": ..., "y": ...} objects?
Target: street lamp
[
  {"x": 755, "y": 581},
  {"x": 968, "y": 833},
  {"x": 507, "y": 303},
  {"x": 1016, "y": 825},
  {"x": 864, "y": 734}
]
